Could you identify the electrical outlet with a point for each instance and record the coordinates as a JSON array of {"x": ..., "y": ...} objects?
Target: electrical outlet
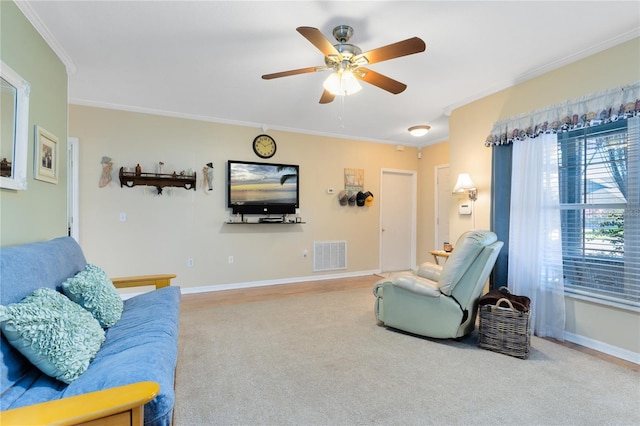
[
  {"x": 190, "y": 263},
  {"x": 305, "y": 253},
  {"x": 230, "y": 259}
]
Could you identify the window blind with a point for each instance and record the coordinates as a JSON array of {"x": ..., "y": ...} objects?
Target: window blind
[{"x": 599, "y": 174}]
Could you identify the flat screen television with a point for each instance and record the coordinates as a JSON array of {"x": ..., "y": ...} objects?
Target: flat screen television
[{"x": 262, "y": 188}]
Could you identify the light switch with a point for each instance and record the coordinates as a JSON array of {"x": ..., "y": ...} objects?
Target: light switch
[{"x": 123, "y": 217}]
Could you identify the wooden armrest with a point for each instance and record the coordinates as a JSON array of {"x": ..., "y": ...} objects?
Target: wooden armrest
[
  {"x": 159, "y": 281},
  {"x": 114, "y": 406}
]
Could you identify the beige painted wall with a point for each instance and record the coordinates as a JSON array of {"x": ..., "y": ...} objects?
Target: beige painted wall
[
  {"x": 432, "y": 156},
  {"x": 40, "y": 212},
  {"x": 469, "y": 125},
  {"x": 162, "y": 232}
]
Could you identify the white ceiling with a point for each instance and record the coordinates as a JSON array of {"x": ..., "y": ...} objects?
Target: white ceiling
[{"x": 204, "y": 59}]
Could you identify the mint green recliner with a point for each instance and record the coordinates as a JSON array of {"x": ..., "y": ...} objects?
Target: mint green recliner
[{"x": 440, "y": 301}]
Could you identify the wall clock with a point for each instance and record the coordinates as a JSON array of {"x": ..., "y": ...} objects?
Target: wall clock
[{"x": 264, "y": 146}]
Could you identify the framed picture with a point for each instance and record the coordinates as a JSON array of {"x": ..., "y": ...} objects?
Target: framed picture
[{"x": 46, "y": 156}]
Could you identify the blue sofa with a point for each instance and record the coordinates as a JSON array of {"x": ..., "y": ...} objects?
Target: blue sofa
[{"x": 141, "y": 347}]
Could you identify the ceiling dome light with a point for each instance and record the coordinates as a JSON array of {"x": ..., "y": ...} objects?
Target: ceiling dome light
[
  {"x": 419, "y": 130},
  {"x": 344, "y": 83}
]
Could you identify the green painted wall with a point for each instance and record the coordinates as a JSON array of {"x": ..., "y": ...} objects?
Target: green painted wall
[{"x": 40, "y": 212}]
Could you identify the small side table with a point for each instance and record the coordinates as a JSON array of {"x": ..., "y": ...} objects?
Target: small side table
[{"x": 439, "y": 253}]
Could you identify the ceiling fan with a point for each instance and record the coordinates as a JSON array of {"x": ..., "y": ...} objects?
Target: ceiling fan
[{"x": 347, "y": 61}]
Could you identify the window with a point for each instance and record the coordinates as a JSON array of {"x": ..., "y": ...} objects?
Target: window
[{"x": 599, "y": 178}]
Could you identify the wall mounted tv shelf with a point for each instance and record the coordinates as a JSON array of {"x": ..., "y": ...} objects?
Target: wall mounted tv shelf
[
  {"x": 279, "y": 220},
  {"x": 159, "y": 180}
]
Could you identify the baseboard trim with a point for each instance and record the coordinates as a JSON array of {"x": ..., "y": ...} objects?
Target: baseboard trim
[
  {"x": 606, "y": 348},
  {"x": 250, "y": 284}
]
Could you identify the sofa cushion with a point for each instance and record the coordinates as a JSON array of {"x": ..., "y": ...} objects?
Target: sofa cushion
[
  {"x": 28, "y": 267},
  {"x": 142, "y": 346},
  {"x": 93, "y": 290},
  {"x": 55, "y": 334}
]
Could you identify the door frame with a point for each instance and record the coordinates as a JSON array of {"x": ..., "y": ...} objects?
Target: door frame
[
  {"x": 414, "y": 211},
  {"x": 437, "y": 202},
  {"x": 73, "y": 190}
]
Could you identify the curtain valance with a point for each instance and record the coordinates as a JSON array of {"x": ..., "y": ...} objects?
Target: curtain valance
[{"x": 598, "y": 108}]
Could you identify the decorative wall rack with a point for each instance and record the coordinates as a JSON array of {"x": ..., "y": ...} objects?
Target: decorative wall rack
[{"x": 159, "y": 180}]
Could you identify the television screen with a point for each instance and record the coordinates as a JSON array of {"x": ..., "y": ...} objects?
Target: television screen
[{"x": 262, "y": 188}]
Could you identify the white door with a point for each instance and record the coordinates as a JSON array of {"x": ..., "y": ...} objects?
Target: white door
[
  {"x": 398, "y": 192},
  {"x": 443, "y": 196}
]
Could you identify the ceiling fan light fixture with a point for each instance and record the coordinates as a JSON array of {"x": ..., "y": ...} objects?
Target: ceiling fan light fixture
[
  {"x": 342, "y": 83},
  {"x": 420, "y": 130}
]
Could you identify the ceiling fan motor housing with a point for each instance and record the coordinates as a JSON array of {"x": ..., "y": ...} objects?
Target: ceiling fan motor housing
[
  {"x": 347, "y": 51},
  {"x": 343, "y": 33}
]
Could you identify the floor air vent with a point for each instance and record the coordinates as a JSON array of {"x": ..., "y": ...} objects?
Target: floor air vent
[{"x": 329, "y": 255}]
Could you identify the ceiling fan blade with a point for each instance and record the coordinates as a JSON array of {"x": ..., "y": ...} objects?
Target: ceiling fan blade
[
  {"x": 395, "y": 50},
  {"x": 382, "y": 81},
  {"x": 292, "y": 72},
  {"x": 318, "y": 40},
  {"x": 327, "y": 97}
]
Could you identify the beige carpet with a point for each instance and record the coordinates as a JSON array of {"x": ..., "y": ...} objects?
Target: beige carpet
[{"x": 323, "y": 360}]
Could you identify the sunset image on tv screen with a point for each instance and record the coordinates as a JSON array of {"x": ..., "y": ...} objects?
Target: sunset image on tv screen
[{"x": 263, "y": 184}]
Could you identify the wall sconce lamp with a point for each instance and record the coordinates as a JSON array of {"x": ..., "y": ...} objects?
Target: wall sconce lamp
[
  {"x": 419, "y": 130},
  {"x": 465, "y": 185}
]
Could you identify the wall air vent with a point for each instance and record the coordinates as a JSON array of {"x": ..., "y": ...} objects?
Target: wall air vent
[{"x": 329, "y": 255}]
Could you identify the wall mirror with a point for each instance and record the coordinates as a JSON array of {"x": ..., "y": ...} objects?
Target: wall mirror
[{"x": 14, "y": 129}]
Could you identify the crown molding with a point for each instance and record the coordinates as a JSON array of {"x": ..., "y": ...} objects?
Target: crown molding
[
  {"x": 48, "y": 37},
  {"x": 585, "y": 53},
  {"x": 551, "y": 66},
  {"x": 175, "y": 114}
]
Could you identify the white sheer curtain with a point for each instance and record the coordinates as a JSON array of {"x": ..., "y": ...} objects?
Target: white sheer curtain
[{"x": 535, "y": 243}]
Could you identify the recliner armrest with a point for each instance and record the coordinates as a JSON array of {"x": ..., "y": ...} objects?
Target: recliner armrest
[
  {"x": 418, "y": 285},
  {"x": 430, "y": 271}
]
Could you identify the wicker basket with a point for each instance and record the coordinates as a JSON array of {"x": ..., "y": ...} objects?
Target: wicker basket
[{"x": 505, "y": 330}]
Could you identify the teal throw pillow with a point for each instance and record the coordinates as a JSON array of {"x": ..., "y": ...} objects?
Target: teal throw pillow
[
  {"x": 55, "y": 334},
  {"x": 93, "y": 290}
]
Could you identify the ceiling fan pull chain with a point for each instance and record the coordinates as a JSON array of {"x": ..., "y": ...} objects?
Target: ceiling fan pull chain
[{"x": 341, "y": 114}]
